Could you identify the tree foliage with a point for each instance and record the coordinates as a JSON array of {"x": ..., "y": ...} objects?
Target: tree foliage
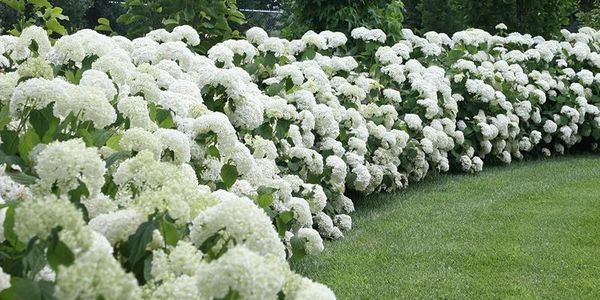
[
  {"x": 212, "y": 18},
  {"x": 589, "y": 14},
  {"x": 537, "y": 17},
  {"x": 440, "y": 16},
  {"x": 344, "y": 15},
  {"x": 16, "y": 15}
]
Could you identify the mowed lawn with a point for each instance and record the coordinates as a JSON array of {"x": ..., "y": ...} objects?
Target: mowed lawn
[{"x": 525, "y": 231}]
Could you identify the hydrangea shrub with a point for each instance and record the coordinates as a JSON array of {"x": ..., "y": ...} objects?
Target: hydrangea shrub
[{"x": 141, "y": 169}]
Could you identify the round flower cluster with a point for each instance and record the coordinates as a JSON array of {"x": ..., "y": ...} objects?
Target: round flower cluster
[{"x": 199, "y": 175}]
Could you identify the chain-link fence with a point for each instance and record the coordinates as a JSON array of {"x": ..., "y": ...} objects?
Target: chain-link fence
[{"x": 272, "y": 21}]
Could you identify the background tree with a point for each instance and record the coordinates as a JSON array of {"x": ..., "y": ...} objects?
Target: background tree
[
  {"x": 16, "y": 15},
  {"x": 266, "y": 14},
  {"x": 440, "y": 16},
  {"x": 537, "y": 17},
  {"x": 212, "y": 18},
  {"x": 344, "y": 15},
  {"x": 412, "y": 15},
  {"x": 589, "y": 14}
]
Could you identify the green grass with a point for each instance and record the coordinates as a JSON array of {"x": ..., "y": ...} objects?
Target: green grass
[{"x": 529, "y": 230}]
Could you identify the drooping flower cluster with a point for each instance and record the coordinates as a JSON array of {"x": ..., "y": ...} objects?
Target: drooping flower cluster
[{"x": 196, "y": 176}]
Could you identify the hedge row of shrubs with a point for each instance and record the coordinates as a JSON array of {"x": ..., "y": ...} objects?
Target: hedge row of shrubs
[{"x": 141, "y": 169}]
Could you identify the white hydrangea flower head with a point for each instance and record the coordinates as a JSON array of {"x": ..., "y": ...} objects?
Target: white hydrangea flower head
[
  {"x": 344, "y": 222},
  {"x": 87, "y": 103},
  {"x": 8, "y": 82},
  {"x": 150, "y": 186},
  {"x": 4, "y": 280},
  {"x": 96, "y": 274},
  {"x": 244, "y": 271},
  {"x": 94, "y": 78},
  {"x": 242, "y": 221},
  {"x": 183, "y": 259},
  {"x": 66, "y": 49},
  {"x": 29, "y": 35},
  {"x": 138, "y": 139},
  {"x": 67, "y": 164},
  {"x": 37, "y": 218},
  {"x": 314, "y": 39},
  {"x": 314, "y": 242},
  {"x": 187, "y": 33},
  {"x": 136, "y": 110},
  {"x": 301, "y": 288},
  {"x": 182, "y": 287},
  {"x": 117, "y": 226},
  {"x": 301, "y": 210},
  {"x": 362, "y": 33},
  {"x": 334, "y": 39},
  {"x": 175, "y": 141},
  {"x": 256, "y": 35},
  {"x": 221, "y": 54},
  {"x": 36, "y": 93}
]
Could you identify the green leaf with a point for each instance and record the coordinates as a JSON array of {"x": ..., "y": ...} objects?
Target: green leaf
[
  {"x": 22, "y": 178},
  {"x": 9, "y": 233},
  {"x": 27, "y": 289},
  {"x": 231, "y": 295},
  {"x": 113, "y": 141},
  {"x": 104, "y": 21},
  {"x": 265, "y": 131},
  {"x": 265, "y": 196},
  {"x": 314, "y": 178},
  {"x": 47, "y": 289},
  {"x": 41, "y": 3},
  {"x": 282, "y": 221},
  {"x": 214, "y": 151},
  {"x": 286, "y": 216},
  {"x": 44, "y": 123},
  {"x": 275, "y": 88},
  {"x": 103, "y": 28},
  {"x": 115, "y": 157},
  {"x": 11, "y": 160},
  {"x": 169, "y": 232},
  {"x": 162, "y": 114},
  {"x": 270, "y": 60},
  {"x": 100, "y": 137},
  {"x": 55, "y": 26},
  {"x": 10, "y": 142},
  {"x": 59, "y": 254},
  {"x": 26, "y": 144},
  {"x": 229, "y": 175},
  {"x": 282, "y": 128},
  {"x": 209, "y": 243},
  {"x": 86, "y": 136},
  {"x": 23, "y": 289},
  {"x": 17, "y": 5},
  {"x": 596, "y": 134},
  {"x": 35, "y": 258},
  {"x": 309, "y": 53},
  {"x": 4, "y": 117},
  {"x": 251, "y": 68},
  {"x": 136, "y": 244},
  {"x": 77, "y": 194},
  {"x": 453, "y": 56},
  {"x": 298, "y": 250}
]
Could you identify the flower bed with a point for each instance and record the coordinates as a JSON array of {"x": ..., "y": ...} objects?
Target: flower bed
[{"x": 139, "y": 168}]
